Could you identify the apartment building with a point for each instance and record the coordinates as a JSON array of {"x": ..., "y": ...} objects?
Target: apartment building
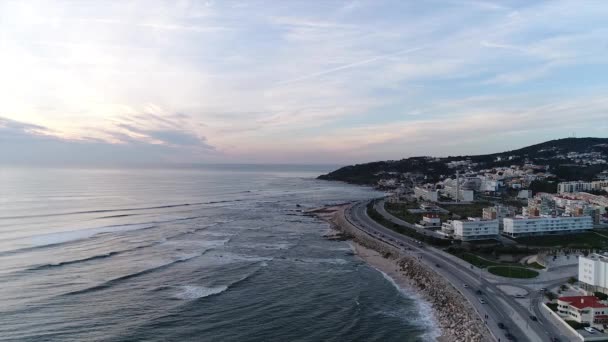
[
  {"x": 545, "y": 225},
  {"x": 426, "y": 194},
  {"x": 472, "y": 229},
  {"x": 593, "y": 272},
  {"x": 581, "y": 186}
]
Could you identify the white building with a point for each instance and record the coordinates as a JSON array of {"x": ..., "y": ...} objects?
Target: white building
[
  {"x": 488, "y": 185},
  {"x": 593, "y": 272},
  {"x": 431, "y": 221},
  {"x": 457, "y": 194},
  {"x": 525, "y": 194},
  {"x": 581, "y": 186},
  {"x": 583, "y": 309},
  {"x": 474, "y": 229},
  {"x": 426, "y": 194},
  {"x": 544, "y": 225}
]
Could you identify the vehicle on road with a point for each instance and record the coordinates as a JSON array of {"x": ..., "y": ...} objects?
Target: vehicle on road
[
  {"x": 501, "y": 326},
  {"x": 555, "y": 339},
  {"x": 479, "y": 292},
  {"x": 532, "y": 317},
  {"x": 544, "y": 289},
  {"x": 519, "y": 295},
  {"x": 437, "y": 265},
  {"x": 482, "y": 301},
  {"x": 510, "y": 337},
  {"x": 466, "y": 286},
  {"x": 590, "y": 330}
]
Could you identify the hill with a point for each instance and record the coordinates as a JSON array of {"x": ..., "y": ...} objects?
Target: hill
[{"x": 569, "y": 159}]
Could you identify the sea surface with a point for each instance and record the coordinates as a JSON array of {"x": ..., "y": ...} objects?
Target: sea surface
[{"x": 203, "y": 254}]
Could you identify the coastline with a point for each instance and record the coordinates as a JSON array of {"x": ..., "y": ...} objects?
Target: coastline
[{"x": 452, "y": 316}]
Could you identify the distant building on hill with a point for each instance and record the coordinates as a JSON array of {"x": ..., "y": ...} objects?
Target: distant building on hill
[
  {"x": 426, "y": 193},
  {"x": 580, "y": 186},
  {"x": 498, "y": 212}
]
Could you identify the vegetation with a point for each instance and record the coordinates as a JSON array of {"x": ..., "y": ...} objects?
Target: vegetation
[
  {"x": 549, "y": 186},
  {"x": 435, "y": 168},
  {"x": 550, "y": 295},
  {"x": 571, "y": 280},
  {"x": 588, "y": 240},
  {"x": 413, "y": 233},
  {"x": 536, "y": 265},
  {"x": 512, "y": 272},
  {"x": 576, "y": 325},
  {"x": 400, "y": 210},
  {"x": 552, "y": 306},
  {"x": 474, "y": 209},
  {"x": 601, "y": 296}
]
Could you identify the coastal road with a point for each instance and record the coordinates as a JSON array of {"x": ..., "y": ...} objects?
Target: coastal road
[{"x": 499, "y": 307}]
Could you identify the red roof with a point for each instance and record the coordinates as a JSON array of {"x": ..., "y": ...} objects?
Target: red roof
[{"x": 582, "y": 302}]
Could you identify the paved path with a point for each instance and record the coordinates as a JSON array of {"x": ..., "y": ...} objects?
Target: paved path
[{"x": 500, "y": 307}]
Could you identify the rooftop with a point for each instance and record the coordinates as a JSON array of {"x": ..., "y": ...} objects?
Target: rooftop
[{"x": 582, "y": 302}]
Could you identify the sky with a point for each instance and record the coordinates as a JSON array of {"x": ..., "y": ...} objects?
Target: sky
[{"x": 339, "y": 82}]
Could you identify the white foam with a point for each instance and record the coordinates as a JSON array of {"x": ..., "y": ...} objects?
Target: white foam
[
  {"x": 60, "y": 237},
  {"x": 426, "y": 317},
  {"x": 231, "y": 258},
  {"x": 335, "y": 261},
  {"x": 189, "y": 292}
]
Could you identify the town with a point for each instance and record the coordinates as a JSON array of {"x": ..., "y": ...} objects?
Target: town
[{"x": 534, "y": 234}]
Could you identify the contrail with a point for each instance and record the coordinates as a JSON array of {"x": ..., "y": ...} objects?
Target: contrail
[{"x": 348, "y": 66}]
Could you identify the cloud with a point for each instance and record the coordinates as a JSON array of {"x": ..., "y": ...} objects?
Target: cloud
[
  {"x": 224, "y": 81},
  {"x": 24, "y": 143}
]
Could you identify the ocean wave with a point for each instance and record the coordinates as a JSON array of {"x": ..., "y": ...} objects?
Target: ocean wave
[
  {"x": 190, "y": 292},
  {"x": 66, "y": 236},
  {"x": 332, "y": 261},
  {"x": 426, "y": 316},
  {"x": 228, "y": 258},
  {"x": 102, "y": 211},
  {"x": 115, "y": 281},
  {"x": 76, "y": 261}
]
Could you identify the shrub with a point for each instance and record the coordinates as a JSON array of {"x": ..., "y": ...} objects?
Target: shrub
[
  {"x": 550, "y": 295},
  {"x": 601, "y": 296},
  {"x": 577, "y": 325}
]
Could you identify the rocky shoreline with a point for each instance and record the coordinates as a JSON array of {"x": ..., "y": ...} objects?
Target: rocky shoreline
[{"x": 455, "y": 316}]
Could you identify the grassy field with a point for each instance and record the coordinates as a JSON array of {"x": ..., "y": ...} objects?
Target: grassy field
[
  {"x": 536, "y": 266},
  {"x": 512, "y": 272},
  {"x": 581, "y": 240},
  {"x": 467, "y": 210},
  {"x": 477, "y": 261},
  {"x": 400, "y": 210},
  {"x": 374, "y": 215}
]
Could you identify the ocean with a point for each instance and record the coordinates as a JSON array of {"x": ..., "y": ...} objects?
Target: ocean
[{"x": 201, "y": 254}]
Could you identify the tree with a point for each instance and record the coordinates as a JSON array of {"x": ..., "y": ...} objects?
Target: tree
[
  {"x": 572, "y": 280},
  {"x": 601, "y": 296},
  {"x": 550, "y": 295}
]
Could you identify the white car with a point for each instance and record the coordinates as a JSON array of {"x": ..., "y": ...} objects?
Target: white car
[
  {"x": 590, "y": 330},
  {"x": 482, "y": 301}
]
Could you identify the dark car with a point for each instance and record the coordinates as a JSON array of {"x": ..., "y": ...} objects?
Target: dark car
[
  {"x": 510, "y": 337},
  {"x": 437, "y": 265},
  {"x": 501, "y": 326},
  {"x": 532, "y": 317},
  {"x": 555, "y": 339},
  {"x": 479, "y": 292}
]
